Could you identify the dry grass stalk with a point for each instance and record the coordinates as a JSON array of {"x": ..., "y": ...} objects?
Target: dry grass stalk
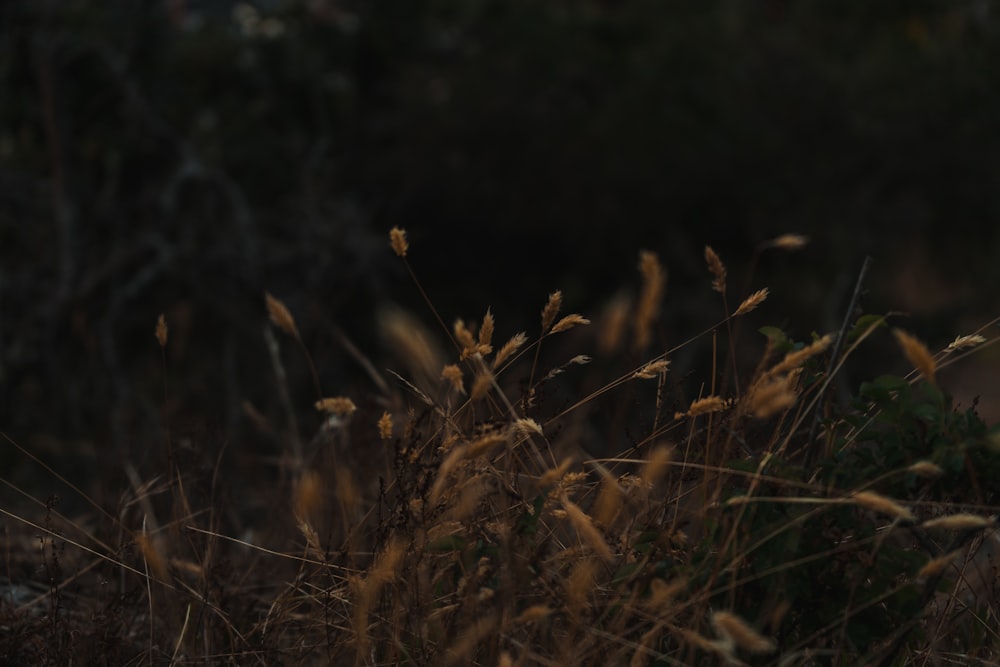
[
  {"x": 796, "y": 358},
  {"x": 553, "y": 475},
  {"x": 533, "y": 614},
  {"x": 161, "y": 330},
  {"x": 579, "y": 584},
  {"x": 879, "y": 503},
  {"x": 152, "y": 554},
  {"x": 481, "y": 385},
  {"x": 308, "y": 495},
  {"x": 347, "y": 489},
  {"x": 526, "y": 426},
  {"x": 412, "y": 342},
  {"x": 614, "y": 322},
  {"x": 397, "y": 239},
  {"x": 647, "y": 643},
  {"x": 717, "y": 268},
  {"x": 751, "y": 302},
  {"x": 959, "y": 522},
  {"x": 509, "y": 348},
  {"x": 453, "y": 375},
  {"x": 741, "y": 633},
  {"x": 960, "y": 343},
  {"x": 340, "y": 406},
  {"x": 385, "y": 426},
  {"x": 586, "y": 530},
  {"x": 768, "y": 396},
  {"x": 569, "y": 322},
  {"x": 313, "y": 546},
  {"x": 706, "y": 405},
  {"x": 926, "y": 469},
  {"x": 652, "y": 370},
  {"x": 655, "y": 465},
  {"x": 936, "y": 566},
  {"x": 648, "y": 309},
  {"x": 609, "y": 500},
  {"x": 461, "y": 651},
  {"x": 551, "y": 310},
  {"x": 788, "y": 242},
  {"x": 280, "y": 315},
  {"x": 917, "y": 354},
  {"x": 662, "y": 594}
]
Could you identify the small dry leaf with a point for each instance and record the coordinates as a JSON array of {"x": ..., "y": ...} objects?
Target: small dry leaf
[
  {"x": 751, "y": 302},
  {"x": 569, "y": 322},
  {"x": 959, "y": 522},
  {"x": 917, "y": 354},
  {"x": 161, "y": 330},
  {"x": 280, "y": 315},
  {"x": 959, "y": 343},
  {"x": 881, "y": 504},
  {"x": 397, "y": 238},
  {"x": 340, "y": 406},
  {"x": 551, "y": 310},
  {"x": 385, "y": 426},
  {"x": 742, "y": 633},
  {"x": 717, "y": 268}
]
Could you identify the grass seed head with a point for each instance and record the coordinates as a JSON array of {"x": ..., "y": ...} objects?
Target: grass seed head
[
  {"x": 788, "y": 242},
  {"x": 959, "y": 522},
  {"x": 741, "y": 633},
  {"x": 280, "y": 315},
  {"x": 960, "y": 343},
  {"x": 397, "y": 239},
  {"x": 936, "y": 566},
  {"x": 648, "y": 310},
  {"x": 717, "y": 268},
  {"x": 340, "y": 406},
  {"x": 706, "y": 405},
  {"x": 551, "y": 310},
  {"x": 509, "y": 348},
  {"x": 569, "y": 322},
  {"x": 652, "y": 370},
  {"x": 917, "y": 354},
  {"x": 926, "y": 469},
  {"x": 883, "y": 505},
  {"x": 161, "y": 330},
  {"x": 385, "y": 426},
  {"x": 586, "y": 530},
  {"x": 453, "y": 375},
  {"x": 751, "y": 302}
]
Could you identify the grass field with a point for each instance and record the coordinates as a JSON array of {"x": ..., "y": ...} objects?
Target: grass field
[{"x": 547, "y": 497}]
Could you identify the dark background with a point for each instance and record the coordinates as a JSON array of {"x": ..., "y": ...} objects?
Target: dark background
[{"x": 184, "y": 157}]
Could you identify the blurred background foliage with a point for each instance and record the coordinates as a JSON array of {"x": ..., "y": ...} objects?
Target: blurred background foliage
[{"x": 184, "y": 156}]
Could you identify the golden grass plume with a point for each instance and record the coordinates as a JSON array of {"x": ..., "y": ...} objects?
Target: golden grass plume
[
  {"x": 917, "y": 354},
  {"x": 648, "y": 309},
  {"x": 280, "y": 315},
  {"x": 397, "y": 239},
  {"x": 717, "y": 269},
  {"x": 741, "y": 633},
  {"x": 161, "y": 330}
]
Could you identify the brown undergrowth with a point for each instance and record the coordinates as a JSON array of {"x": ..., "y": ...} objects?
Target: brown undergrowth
[{"x": 467, "y": 513}]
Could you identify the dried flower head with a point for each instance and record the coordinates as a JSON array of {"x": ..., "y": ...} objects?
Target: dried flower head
[
  {"x": 161, "y": 330},
  {"x": 717, "y": 268},
  {"x": 280, "y": 315},
  {"x": 339, "y": 405},
  {"x": 917, "y": 354},
  {"x": 397, "y": 238}
]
